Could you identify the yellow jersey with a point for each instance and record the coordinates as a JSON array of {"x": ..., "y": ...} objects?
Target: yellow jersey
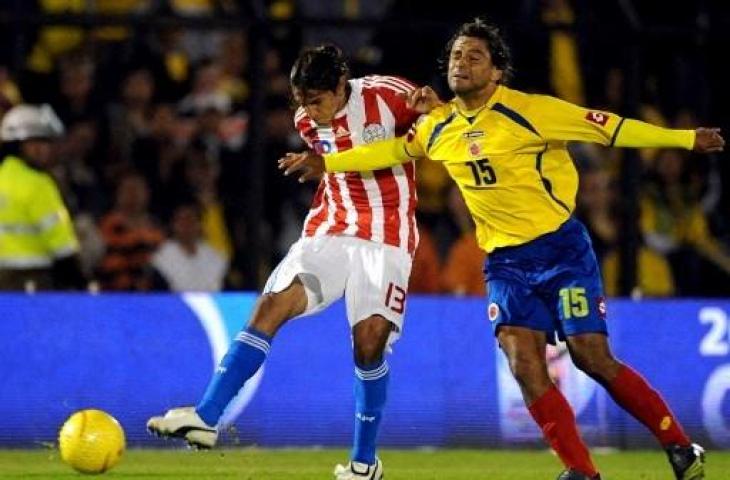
[
  {"x": 509, "y": 158},
  {"x": 35, "y": 227}
]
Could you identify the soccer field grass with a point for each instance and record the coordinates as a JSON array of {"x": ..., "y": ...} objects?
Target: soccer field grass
[{"x": 248, "y": 464}]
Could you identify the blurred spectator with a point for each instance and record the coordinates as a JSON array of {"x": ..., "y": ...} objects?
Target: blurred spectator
[
  {"x": 653, "y": 273},
  {"x": 159, "y": 155},
  {"x": 233, "y": 59},
  {"x": 426, "y": 269},
  {"x": 674, "y": 224},
  {"x": 39, "y": 245},
  {"x": 186, "y": 262},
  {"x": 79, "y": 169},
  {"x": 596, "y": 209},
  {"x": 463, "y": 272},
  {"x": 202, "y": 173},
  {"x": 53, "y": 41},
  {"x": 208, "y": 92},
  {"x": 129, "y": 119},
  {"x": 131, "y": 236},
  {"x": 565, "y": 71},
  {"x": 9, "y": 91},
  {"x": 77, "y": 100},
  {"x": 200, "y": 44}
]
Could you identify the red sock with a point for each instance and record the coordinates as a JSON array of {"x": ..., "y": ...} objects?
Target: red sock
[
  {"x": 635, "y": 395},
  {"x": 557, "y": 421}
]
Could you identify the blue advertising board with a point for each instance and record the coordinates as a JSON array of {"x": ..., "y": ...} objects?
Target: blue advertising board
[{"x": 138, "y": 355}]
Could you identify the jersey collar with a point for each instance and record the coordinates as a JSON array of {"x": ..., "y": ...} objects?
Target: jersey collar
[{"x": 471, "y": 115}]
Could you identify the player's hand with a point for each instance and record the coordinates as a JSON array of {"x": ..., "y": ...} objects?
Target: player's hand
[
  {"x": 708, "y": 140},
  {"x": 423, "y": 100},
  {"x": 309, "y": 163}
]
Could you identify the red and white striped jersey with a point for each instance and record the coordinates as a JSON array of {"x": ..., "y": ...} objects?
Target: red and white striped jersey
[{"x": 378, "y": 206}]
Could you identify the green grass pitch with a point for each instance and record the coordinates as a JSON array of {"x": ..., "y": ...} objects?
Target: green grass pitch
[{"x": 245, "y": 464}]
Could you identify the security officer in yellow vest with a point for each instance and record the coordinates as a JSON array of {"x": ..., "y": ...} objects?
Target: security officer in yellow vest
[{"x": 38, "y": 245}]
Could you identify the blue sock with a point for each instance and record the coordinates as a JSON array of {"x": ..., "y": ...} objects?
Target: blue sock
[
  {"x": 243, "y": 359},
  {"x": 371, "y": 388}
]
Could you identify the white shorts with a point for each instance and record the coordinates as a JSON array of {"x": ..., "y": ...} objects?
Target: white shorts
[{"x": 372, "y": 276}]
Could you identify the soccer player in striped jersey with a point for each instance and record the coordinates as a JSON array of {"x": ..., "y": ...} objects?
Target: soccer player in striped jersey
[
  {"x": 358, "y": 241},
  {"x": 507, "y": 152}
]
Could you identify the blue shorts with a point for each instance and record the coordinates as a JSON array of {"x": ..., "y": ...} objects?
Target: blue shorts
[{"x": 550, "y": 284}]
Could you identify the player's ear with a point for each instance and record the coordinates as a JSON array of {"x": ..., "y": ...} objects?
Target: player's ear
[{"x": 497, "y": 75}]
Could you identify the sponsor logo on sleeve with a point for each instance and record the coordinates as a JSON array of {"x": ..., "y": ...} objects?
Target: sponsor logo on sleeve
[{"x": 598, "y": 118}]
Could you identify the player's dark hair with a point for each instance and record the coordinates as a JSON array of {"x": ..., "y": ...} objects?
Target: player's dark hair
[
  {"x": 319, "y": 68},
  {"x": 496, "y": 44}
]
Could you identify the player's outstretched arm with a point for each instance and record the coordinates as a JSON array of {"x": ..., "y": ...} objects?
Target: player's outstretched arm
[
  {"x": 637, "y": 134},
  {"x": 363, "y": 158},
  {"x": 555, "y": 119}
]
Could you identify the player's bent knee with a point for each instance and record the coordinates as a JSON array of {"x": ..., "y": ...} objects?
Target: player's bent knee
[
  {"x": 600, "y": 367},
  {"x": 370, "y": 337},
  {"x": 274, "y": 309}
]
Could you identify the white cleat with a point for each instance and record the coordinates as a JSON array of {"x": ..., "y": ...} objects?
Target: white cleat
[
  {"x": 184, "y": 423},
  {"x": 357, "y": 470}
]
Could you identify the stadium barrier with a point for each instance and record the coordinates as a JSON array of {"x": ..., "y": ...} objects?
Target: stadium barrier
[{"x": 137, "y": 355}]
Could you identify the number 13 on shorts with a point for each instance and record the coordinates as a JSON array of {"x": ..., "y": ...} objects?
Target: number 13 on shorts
[{"x": 395, "y": 298}]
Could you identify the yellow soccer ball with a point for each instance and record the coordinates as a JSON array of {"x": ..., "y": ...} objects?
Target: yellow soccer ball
[{"x": 91, "y": 441}]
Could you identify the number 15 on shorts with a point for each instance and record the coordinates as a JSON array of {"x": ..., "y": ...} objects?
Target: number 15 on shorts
[
  {"x": 574, "y": 302},
  {"x": 395, "y": 298}
]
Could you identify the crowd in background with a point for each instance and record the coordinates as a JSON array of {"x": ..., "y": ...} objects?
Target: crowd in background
[{"x": 154, "y": 163}]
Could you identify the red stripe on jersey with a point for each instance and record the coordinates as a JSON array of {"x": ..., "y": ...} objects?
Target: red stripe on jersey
[
  {"x": 314, "y": 222},
  {"x": 407, "y": 84},
  {"x": 360, "y": 199},
  {"x": 355, "y": 185},
  {"x": 370, "y": 102},
  {"x": 404, "y": 116},
  {"x": 387, "y": 184},
  {"x": 307, "y": 130},
  {"x": 340, "y": 216},
  {"x": 410, "y": 170},
  {"x": 342, "y": 133},
  {"x": 391, "y": 198},
  {"x": 343, "y": 142}
]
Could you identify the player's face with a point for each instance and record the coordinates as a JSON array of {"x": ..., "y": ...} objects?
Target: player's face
[
  {"x": 470, "y": 66},
  {"x": 321, "y": 105}
]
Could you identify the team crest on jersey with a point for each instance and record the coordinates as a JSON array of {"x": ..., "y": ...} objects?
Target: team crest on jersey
[
  {"x": 373, "y": 133},
  {"x": 322, "y": 147},
  {"x": 602, "y": 307},
  {"x": 599, "y": 118},
  {"x": 475, "y": 150},
  {"x": 493, "y": 311}
]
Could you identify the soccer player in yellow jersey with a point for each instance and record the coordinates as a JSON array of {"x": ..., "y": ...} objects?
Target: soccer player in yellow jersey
[{"x": 507, "y": 152}]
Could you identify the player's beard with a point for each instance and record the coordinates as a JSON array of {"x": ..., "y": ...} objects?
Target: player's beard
[{"x": 469, "y": 90}]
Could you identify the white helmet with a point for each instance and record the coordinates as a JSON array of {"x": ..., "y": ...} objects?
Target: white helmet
[{"x": 24, "y": 122}]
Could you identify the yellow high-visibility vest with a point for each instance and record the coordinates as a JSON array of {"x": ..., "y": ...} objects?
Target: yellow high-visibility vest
[{"x": 35, "y": 226}]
